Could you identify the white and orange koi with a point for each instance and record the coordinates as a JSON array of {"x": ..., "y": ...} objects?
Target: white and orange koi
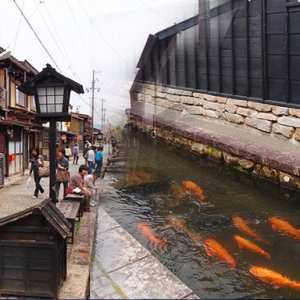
[
  {"x": 193, "y": 188},
  {"x": 284, "y": 227},
  {"x": 275, "y": 279},
  {"x": 244, "y": 243},
  {"x": 213, "y": 248}
]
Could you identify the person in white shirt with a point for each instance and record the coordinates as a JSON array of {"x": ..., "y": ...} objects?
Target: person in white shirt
[
  {"x": 89, "y": 181},
  {"x": 90, "y": 157},
  {"x": 68, "y": 152}
]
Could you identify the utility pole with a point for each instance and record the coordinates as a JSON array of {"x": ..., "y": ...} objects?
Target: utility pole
[
  {"x": 102, "y": 114},
  {"x": 93, "y": 99},
  {"x": 93, "y": 103},
  {"x": 104, "y": 110}
]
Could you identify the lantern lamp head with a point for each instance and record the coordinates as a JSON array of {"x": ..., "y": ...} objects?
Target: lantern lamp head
[{"x": 51, "y": 92}]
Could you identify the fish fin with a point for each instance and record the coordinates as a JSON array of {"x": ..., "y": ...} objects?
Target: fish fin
[
  {"x": 276, "y": 287},
  {"x": 208, "y": 251},
  {"x": 267, "y": 255}
]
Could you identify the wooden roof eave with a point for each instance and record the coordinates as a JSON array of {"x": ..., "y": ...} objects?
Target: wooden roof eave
[{"x": 49, "y": 211}]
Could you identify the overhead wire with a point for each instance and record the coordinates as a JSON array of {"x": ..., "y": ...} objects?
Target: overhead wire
[
  {"x": 36, "y": 35},
  {"x": 19, "y": 28},
  {"x": 66, "y": 56},
  {"x": 156, "y": 12},
  {"x": 104, "y": 39},
  {"x": 58, "y": 47}
]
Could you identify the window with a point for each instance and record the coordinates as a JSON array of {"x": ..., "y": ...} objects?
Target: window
[
  {"x": 32, "y": 104},
  {"x": 21, "y": 98}
]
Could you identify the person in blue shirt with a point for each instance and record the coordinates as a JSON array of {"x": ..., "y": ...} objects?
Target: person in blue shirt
[
  {"x": 75, "y": 152},
  {"x": 99, "y": 160}
]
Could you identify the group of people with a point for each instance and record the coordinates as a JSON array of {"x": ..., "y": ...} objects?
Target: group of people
[
  {"x": 93, "y": 157},
  {"x": 83, "y": 181}
]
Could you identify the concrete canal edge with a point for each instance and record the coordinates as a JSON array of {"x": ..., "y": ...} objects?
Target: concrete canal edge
[
  {"x": 77, "y": 284},
  {"x": 80, "y": 254}
]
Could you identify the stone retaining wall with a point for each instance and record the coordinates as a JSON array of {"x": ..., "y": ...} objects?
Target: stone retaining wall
[
  {"x": 271, "y": 119},
  {"x": 266, "y": 119}
]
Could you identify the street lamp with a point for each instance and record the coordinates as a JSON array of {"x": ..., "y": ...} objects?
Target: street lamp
[{"x": 51, "y": 92}]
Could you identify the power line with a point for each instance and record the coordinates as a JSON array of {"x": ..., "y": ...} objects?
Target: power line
[
  {"x": 156, "y": 12},
  {"x": 107, "y": 43},
  {"x": 36, "y": 35},
  {"x": 66, "y": 56},
  {"x": 19, "y": 29}
]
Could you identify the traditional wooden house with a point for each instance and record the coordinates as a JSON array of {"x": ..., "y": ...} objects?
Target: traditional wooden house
[
  {"x": 246, "y": 50},
  {"x": 81, "y": 124},
  {"x": 19, "y": 132}
]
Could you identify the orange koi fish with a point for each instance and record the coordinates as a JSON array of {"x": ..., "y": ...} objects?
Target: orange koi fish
[
  {"x": 244, "y": 243},
  {"x": 275, "y": 279},
  {"x": 242, "y": 225},
  {"x": 192, "y": 187},
  {"x": 147, "y": 232},
  {"x": 284, "y": 226},
  {"x": 213, "y": 248}
]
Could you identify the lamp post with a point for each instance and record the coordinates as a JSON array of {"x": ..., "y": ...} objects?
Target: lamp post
[
  {"x": 100, "y": 138},
  {"x": 51, "y": 92}
]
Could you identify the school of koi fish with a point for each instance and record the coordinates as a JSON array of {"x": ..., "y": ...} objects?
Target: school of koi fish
[{"x": 213, "y": 248}]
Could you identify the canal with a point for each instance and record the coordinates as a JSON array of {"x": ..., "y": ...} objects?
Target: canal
[{"x": 209, "y": 224}]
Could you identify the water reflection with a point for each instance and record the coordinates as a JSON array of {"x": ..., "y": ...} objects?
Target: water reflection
[{"x": 199, "y": 235}]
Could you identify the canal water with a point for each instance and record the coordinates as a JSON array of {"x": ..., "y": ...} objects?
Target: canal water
[{"x": 189, "y": 212}]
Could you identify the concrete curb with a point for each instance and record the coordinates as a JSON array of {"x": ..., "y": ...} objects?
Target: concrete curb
[{"x": 77, "y": 284}]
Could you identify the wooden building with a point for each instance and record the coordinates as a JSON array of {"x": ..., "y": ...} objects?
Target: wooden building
[
  {"x": 236, "y": 63},
  {"x": 246, "y": 49},
  {"x": 19, "y": 132}
]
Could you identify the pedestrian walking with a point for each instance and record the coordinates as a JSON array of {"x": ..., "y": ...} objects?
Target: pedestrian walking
[
  {"x": 68, "y": 152},
  {"x": 99, "y": 160},
  {"x": 62, "y": 165},
  {"x": 85, "y": 150},
  {"x": 37, "y": 161},
  {"x": 75, "y": 152},
  {"x": 90, "y": 158}
]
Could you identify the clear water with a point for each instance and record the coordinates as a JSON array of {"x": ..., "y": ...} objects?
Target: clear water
[{"x": 227, "y": 193}]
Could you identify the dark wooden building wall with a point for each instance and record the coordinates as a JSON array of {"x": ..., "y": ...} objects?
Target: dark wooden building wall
[{"x": 240, "y": 48}]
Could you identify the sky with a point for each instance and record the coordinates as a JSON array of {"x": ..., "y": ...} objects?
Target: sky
[{"x": 86, "y": 39}]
